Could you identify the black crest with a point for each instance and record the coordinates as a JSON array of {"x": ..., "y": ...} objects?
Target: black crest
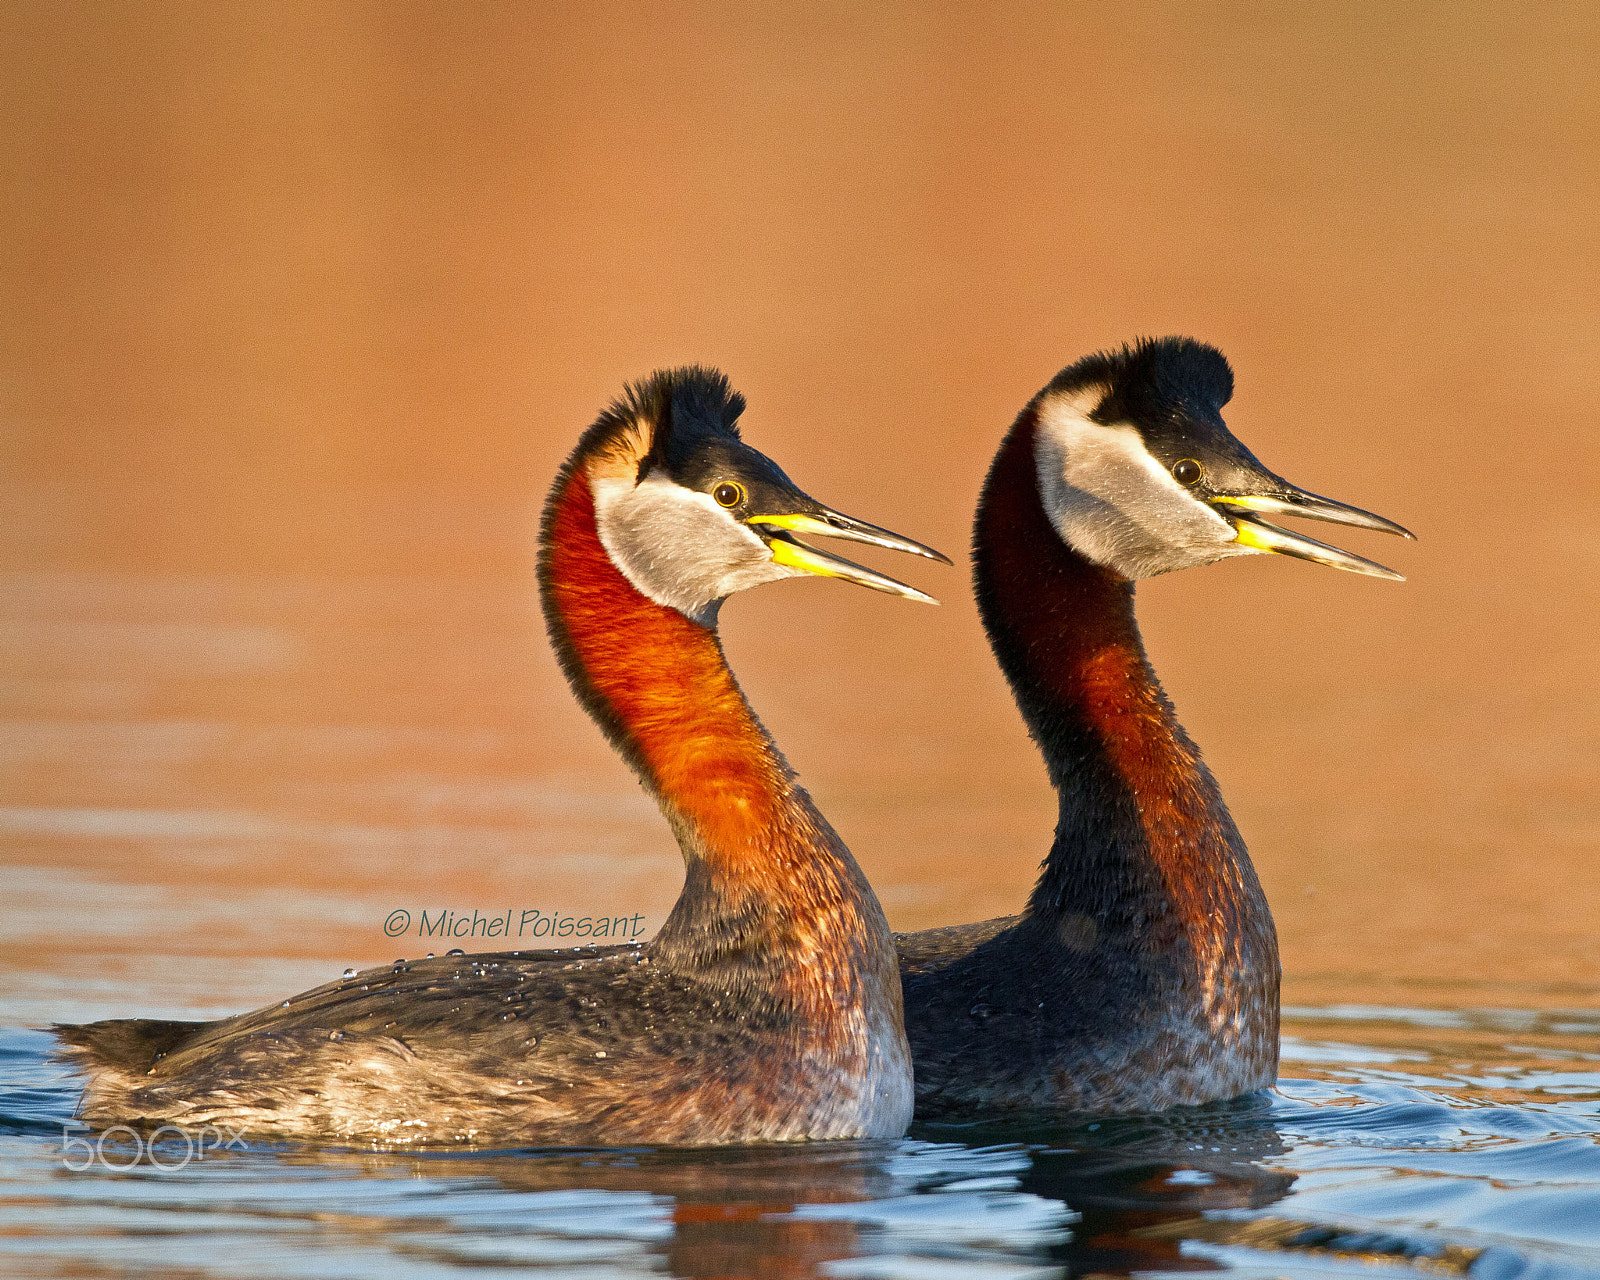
[
  {"x": 1155, "y": 378},
  {"x": 688, "y": 407}
]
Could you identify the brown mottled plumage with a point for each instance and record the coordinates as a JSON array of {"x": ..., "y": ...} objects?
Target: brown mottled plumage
[{"x": 767, "y": 1008}]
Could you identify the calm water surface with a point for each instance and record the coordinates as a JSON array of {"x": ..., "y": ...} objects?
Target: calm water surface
[
  {"x": 220, "y": 789},
  {"x": 1438, "y": 1142}
]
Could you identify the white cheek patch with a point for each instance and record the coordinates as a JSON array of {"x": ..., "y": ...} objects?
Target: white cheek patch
[
  {"x": 1110, "y": 500},
  {"x": 678, "y": 547}
]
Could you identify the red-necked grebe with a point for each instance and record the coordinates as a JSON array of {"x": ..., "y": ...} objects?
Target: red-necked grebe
[
  {"x": 1144, "y": 971},
  {"x": 767, "y": 1008}
]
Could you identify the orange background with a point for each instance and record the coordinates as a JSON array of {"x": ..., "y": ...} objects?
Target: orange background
[{"x": 303, "y": 304}]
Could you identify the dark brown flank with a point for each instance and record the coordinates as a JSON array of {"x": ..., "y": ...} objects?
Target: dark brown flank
[{"x": 1144, "y": 971}]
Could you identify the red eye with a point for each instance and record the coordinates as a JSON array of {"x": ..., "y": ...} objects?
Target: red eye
[{"x": 1187, "y": 471}]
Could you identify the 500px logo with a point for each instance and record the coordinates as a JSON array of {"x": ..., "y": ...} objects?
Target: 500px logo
[{"x": 196, "y": 1142}]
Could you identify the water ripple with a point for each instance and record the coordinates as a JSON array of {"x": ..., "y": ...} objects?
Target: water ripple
[{"x": 1390, "y": 1145}]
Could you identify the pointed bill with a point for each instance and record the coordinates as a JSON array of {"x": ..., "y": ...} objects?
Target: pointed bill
[
  {"x": 1258, "y": 535},
  {"x": 832, "y": 524},
  {"x": 1308, "y": 506},
  {"x": 793, "y": 554}
]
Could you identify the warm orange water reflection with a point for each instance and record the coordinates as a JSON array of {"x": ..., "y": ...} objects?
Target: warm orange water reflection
[{"x": 302, "y": 309}]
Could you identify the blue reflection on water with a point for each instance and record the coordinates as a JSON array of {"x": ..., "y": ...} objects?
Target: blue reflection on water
[{"x": 1437, "y": 1142}]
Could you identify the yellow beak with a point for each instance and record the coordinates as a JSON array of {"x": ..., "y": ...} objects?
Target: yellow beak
[{"x": 794, "y": 554}]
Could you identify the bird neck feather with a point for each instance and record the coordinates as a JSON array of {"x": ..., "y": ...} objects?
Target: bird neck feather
[
  {"x": 1146, "y": 856},
  {"x": 767, "y": 878}
]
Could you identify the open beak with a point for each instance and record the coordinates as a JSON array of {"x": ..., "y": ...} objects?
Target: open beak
[
  {"x": 1244, "y": 511},
  {"x": 779, "y": 530}
]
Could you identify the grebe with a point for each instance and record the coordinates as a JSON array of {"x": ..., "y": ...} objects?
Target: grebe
[
  {"x": 767, "y": 1008},
  {"x": 1143, "y": 973}
]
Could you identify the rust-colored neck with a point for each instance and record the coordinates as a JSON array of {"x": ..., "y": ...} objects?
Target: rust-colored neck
[
  {"x": 767, "y": 877},
  {"x": 1146, "y": 858}
]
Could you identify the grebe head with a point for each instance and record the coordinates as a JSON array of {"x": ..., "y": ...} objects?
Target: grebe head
[
  {"x": 1139, "y": 473},
  {"x": 690, "y": 514}
]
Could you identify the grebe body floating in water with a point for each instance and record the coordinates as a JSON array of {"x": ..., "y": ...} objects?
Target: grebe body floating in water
[
  {"x": 767, "y": 1008},
  {"x": 1143, "y": 973}
]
